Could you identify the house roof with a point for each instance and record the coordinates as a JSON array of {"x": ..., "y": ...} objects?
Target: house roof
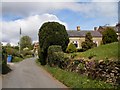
[
  {"x": 74, "y": 33},
  {"x": 102, "y": 28}
]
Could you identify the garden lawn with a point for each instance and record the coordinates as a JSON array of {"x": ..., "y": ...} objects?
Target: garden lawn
[{"x": 110, "y": 51}]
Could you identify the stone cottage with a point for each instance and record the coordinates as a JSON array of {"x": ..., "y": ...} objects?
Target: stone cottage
[{"x": 78, "y": 36}]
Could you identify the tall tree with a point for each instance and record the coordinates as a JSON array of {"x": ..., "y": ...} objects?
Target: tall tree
[
  {"x": 25, "y": 41},
  {"x": 8, "y": 45},
  {"x": 88, "y": 43},
  {"x": 109, "y": 36},
  {"x": 52, "y": 33}
]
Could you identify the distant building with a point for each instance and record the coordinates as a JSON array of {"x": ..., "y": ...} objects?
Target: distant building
[
  {"x": 78, "y": 36},
  {"x": 36, "y": 45},
  {"x": 103, "y": 28},
  {"x": 118, "y": 30},
  {"x": 115, "y": 28},
  {"x": 35, "y": 48}
]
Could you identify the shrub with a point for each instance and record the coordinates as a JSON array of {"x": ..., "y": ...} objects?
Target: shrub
[
  {"x": 13, "y": 52},
  {"x": 88, "y": 43},
  {"x": 55, "y": 56},
  {"x": 52, "y": 33},
  {"x": 26, "y": 52},
  {"x": 52, "y": 56},
  {"x": 109, "y": 36},
  {"x": 55, "y": 48},
  {"x": 71, "y": 48}
]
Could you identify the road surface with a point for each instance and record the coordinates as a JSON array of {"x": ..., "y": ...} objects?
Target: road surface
[{"x": 27, "y": 74}]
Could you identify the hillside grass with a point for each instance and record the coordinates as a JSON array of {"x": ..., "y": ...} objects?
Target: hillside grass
[{"x": 110, "y": 51}]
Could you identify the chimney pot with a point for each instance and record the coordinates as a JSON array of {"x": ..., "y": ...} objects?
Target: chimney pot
[
  {"x": 78, "y": 28},
  {"x": 95, "y": 28}
]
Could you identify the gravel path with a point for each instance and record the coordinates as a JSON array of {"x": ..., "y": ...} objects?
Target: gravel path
[{"x": 27, "y": 74}]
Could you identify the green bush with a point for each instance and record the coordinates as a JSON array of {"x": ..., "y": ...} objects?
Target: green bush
[
  {"x": 55, "y": 56},
  {"x": 52, "y": 56},
  {"x": 26, "y": 53},
  {"x": 52, "y": 33},
  {"x": 109, "y": 36},
  {"x": 71, "y": 48},
  {"x": 55, "y": 48},
  {"x": 13, "y": 52},
  {"x": 88, "y": 43}
]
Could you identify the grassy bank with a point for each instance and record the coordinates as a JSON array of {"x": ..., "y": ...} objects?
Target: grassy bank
[
  {"x": 17, "y": 59},
  {"x": 74, "y": 80},
  {"x": 110, "y": 51}
]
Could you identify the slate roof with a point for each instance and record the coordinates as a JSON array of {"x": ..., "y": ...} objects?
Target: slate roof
[{"x": 75, "y": 33}]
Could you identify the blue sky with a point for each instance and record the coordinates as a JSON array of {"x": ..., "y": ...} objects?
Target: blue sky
[
  {"x": 31, "y": 15},
  {"x": 73, "y": 18}
]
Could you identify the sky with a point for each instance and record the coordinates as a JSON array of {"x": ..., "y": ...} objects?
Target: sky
[{"x": 29, "y": 15}]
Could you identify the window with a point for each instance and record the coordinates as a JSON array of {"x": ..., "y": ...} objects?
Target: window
[
  {"x": 75, "y": 43},
  {"x": 96, "y": 42}
]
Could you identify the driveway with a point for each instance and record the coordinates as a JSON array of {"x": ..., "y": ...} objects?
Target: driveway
[{"x": 27, "y": 74}]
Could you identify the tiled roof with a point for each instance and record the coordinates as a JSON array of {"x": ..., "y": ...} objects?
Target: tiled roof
[{"x": 75, "y": 33}]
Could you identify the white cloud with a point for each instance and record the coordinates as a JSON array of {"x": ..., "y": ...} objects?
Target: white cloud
[
  {"x": 34, "y": 17},
  {"x": 93, "y": 8},
  {"x": 30, "y": 26}
]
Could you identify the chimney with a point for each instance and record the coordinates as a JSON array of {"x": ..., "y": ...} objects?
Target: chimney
[
  {"x": 95, "y": 28},
  {"x": 78, "y": 28}
]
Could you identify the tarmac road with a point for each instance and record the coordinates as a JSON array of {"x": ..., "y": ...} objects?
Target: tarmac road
[{"x": 27, "y": 74}]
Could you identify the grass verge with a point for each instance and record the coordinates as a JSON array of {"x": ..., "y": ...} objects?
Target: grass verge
[
  {"x": 74, "y": 80},
  {"x": 17, "y": 59}
]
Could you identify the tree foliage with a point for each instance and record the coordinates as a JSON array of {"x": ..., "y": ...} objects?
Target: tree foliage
[
  {"x": 109, "y": 36},
  {"x": 71, "y": 48},
  {"x": 52, "y": 33},
  {"x": 8, "y": 45},
  {"x": 88, "y": 43},
  {"x": 25, "y": 41}
]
